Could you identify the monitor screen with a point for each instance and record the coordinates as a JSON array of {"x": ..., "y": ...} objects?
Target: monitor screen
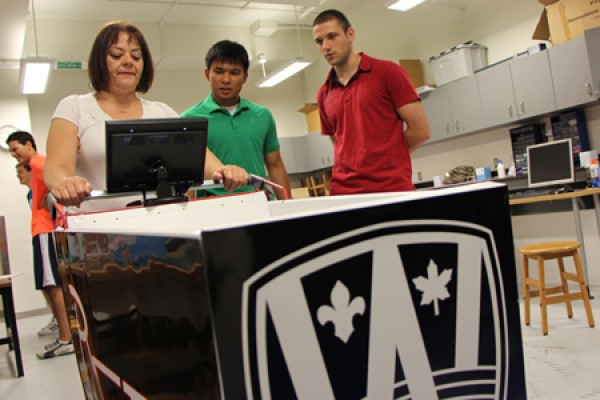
[
  {"x": 550, "y": 163},
  {"x": 154, "y": 154}
]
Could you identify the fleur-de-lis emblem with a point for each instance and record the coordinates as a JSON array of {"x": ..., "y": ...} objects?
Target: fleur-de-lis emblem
[
  {"x": 434, "y": 286},
  {"x": 342, "y": 311}
]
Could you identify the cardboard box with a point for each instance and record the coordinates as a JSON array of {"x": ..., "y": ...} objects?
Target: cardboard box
[
  {"x": 458, "y": 62},
  {"x": 313, "y": 120},
  {"x": 414, "y": 70},
  {"x": 563, "y": 20}
]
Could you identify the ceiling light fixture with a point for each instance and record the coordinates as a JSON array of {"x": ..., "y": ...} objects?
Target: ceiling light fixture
[
  {"x": 288, "y": 69},
  {"x": 283, "y": 72},
  {"x": 264, "y": 27},
  {"x": 402, "y": 5},
  {"x": 35, "y": 70},
  {"x": 34, "y": 74}
]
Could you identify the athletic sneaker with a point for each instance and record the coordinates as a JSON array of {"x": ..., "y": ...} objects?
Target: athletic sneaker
[
  {"x": 56, "y": 349},
  {"x": 49, "y": 329}
]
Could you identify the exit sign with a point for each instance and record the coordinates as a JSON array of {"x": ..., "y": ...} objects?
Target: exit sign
[{"x": 69, "y": 65}]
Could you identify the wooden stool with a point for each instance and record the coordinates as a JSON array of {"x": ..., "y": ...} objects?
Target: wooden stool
[
  {"x": 317, "y": 189},
  {"x": 559, "y": 294}
]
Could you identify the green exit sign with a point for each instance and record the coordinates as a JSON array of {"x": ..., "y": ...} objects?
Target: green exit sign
[{"x": 69, "y": 65}]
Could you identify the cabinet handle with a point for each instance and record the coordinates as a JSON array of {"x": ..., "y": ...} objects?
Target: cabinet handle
[
  {"x": 447, "y": 128},
  {"x": 588, "y": 89},
  {"x": 456, "y": 126},
  {"x": 510, "y": 111},
  {"x": 522, "y": 106}
]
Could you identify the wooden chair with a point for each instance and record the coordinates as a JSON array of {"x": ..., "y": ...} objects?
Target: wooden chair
[{"x": 542, "y": 252}]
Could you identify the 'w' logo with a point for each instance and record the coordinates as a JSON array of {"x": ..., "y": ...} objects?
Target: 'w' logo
[{"x": 401, "y": 310}]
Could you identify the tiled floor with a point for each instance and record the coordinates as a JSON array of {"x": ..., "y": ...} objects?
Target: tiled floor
[
  {"x": 52, "y": 379},
  {"x": 562, "y": 365}
]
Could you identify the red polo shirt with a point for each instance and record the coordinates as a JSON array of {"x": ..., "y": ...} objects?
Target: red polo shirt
[{"x": 371, "y": 154}]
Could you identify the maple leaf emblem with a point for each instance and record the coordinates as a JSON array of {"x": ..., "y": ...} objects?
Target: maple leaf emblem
[
  {"x": 434, "y": 286},
  {"x": 341, "y": 312}
]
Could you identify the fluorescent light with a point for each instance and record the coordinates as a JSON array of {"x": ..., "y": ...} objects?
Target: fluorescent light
[
  {"x": 34, "y": 74},
  {"x": 264, "y": 27},
  {"x": 402, "y": 5},
  {"x": 282, "y": 73}
]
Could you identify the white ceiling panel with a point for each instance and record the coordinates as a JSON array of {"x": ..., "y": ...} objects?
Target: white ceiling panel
[{"x": 13, "y": 21}]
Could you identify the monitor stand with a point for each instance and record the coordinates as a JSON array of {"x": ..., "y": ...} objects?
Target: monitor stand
[{"x": 164, "y": 191}]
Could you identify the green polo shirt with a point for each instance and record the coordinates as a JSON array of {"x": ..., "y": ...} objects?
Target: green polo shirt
[{"x": 240, "y": 139}]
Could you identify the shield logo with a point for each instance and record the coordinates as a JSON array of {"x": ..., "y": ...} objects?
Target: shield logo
[{"x": 398, "y": 310}]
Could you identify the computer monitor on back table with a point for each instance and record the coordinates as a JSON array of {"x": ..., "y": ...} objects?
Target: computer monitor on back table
[{"x": 550, "y": 163}]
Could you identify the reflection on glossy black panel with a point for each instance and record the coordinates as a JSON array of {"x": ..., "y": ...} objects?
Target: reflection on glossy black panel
[{"x": 150, "y": 329}]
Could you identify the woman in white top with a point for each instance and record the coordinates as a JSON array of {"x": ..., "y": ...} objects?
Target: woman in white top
[{"x": 120, "y": 65}]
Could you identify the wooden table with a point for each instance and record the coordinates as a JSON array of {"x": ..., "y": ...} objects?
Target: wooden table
[{"x": 574, "y": 196}]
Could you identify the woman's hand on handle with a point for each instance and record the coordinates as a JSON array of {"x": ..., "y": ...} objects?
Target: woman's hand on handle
[{"x": 72, "y": 191}]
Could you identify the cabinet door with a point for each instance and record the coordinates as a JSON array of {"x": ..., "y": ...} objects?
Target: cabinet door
[
  {"x": 532, "y": 81},
  {"x": 301, "y": 154},
  {"x": 465, "y": 106},
  {"x": 319, "y": 151},
  {"x": 571, "y": 73},
  {"x": 437, "y": 108},
  {"x": 497, "y": 96},
  {"x": 286, "y": 148}
]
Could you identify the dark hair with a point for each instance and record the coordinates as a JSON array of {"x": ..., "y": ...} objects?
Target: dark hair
[
  {"x": 227, "y": 51},
  {"x": 328, "y": 15},
  {"x": 22, "y": 137},
  {"x": 109, "y": 35},
  {"x": 26, "y": 167}
]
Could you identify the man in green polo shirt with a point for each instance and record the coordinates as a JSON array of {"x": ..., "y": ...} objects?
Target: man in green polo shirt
[{"x": 239, "y": 132}]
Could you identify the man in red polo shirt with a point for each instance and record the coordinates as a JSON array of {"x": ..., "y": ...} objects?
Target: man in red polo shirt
[{"x": 364, "y": 104}]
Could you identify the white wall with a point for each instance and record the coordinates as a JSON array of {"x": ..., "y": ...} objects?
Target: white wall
[
  {"x": 14, "y": 110},
  {"x": 505, "y": 27}
]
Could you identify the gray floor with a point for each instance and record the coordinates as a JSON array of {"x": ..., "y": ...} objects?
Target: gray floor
[{"x": 562, "y": 365}]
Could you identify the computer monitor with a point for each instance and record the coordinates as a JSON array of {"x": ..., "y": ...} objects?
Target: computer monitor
[
  {"x": 550, "y": 163},
  {"x": 162, "y": 154}
]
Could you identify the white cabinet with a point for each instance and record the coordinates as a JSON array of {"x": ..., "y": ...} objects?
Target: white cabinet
[
  {"x": 437, "y": 109},
  {"x": 575, "y": 68},
  {"x": 497, "y": 95},
  {"x": 453, "y": 109},
  {"x": 516, "y": 89},
  {"x": 562, "y": 77},
  {"x": 301, "y": 154},
  {"x": 465, "y": 105},
  {"x": 532, "y": 81},
  {"x": 319, "y": 150},
  {"x": 286, "y": 148},
  {"x": 306, "y": 153}
]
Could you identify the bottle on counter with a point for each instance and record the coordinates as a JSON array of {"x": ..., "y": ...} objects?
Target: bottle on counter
[
  {"x": 593, "y": 174},
  {"x": 500, "y": 169}
]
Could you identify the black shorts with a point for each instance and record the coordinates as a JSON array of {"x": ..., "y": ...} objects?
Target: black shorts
[{"x": 44, "y": 261}]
